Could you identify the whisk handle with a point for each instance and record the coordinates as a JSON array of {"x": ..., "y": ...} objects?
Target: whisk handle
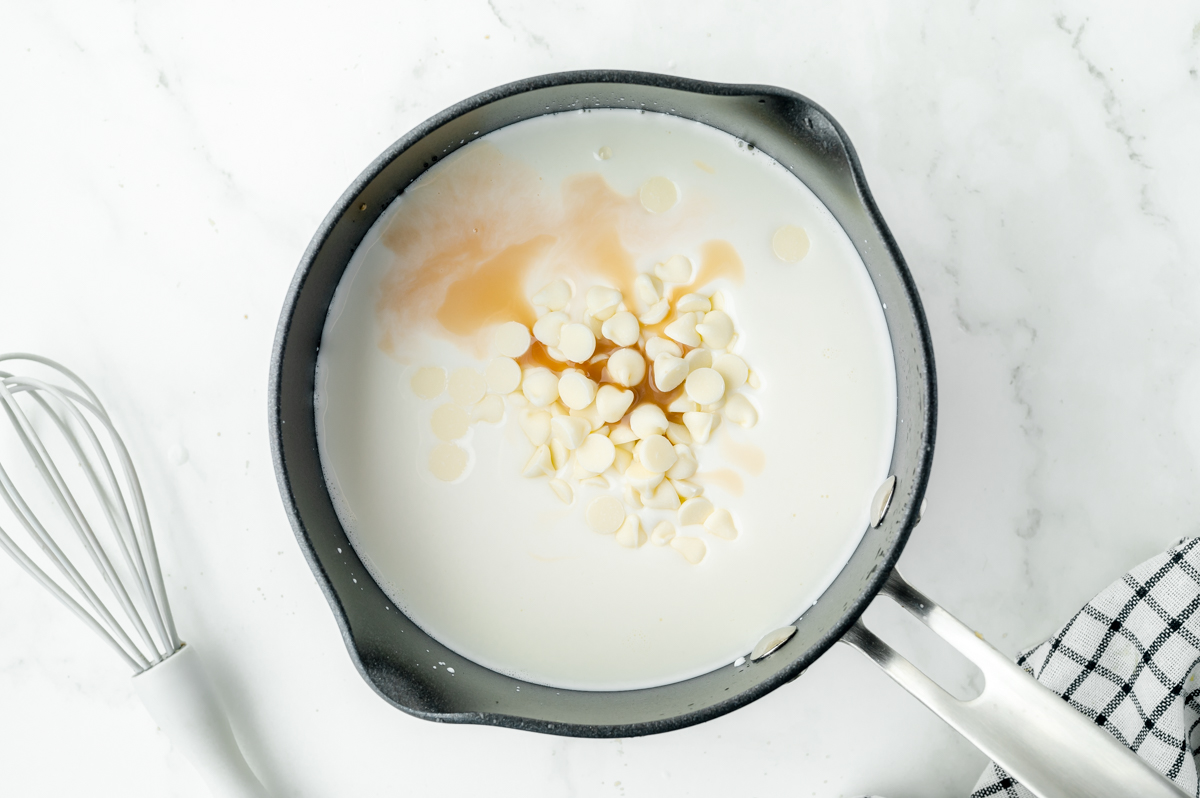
[{"x": 181, "y": 698}]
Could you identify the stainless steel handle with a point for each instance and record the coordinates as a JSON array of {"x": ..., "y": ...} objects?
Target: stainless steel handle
[{"x": 1032, "y": 733}]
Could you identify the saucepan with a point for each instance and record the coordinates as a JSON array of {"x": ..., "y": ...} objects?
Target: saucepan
[{"x": 1031, "y": 732}]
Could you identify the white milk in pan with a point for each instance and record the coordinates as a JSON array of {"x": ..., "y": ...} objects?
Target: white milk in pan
[{"x": 471, "y": 492}]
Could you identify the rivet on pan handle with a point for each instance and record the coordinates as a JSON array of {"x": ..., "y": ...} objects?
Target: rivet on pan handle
[
  {"x": 882, "y": 501},
  {"x": 1028, "y": 730},
  {"x": 771, "y": 642}
]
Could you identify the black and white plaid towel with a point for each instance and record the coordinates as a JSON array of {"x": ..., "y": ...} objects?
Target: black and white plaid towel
[{"x": 1127, "y": 661}]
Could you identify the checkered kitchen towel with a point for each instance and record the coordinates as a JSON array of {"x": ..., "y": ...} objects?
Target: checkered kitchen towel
[{"x": 1127, "y": 661}]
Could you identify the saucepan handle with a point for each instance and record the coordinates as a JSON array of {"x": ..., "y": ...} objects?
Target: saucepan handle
[{"x": 1028, "y": 730}]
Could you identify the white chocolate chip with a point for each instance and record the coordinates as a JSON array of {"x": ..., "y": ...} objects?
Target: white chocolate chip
[
  {"x": 733, "y": 369},
  {"x": 678, "y": 434},
  {"x": 720, "y": 523},
  {"x": 656, "y": 312},
  {"x": 631, "y": 497},
  {"x": 677, "y": 269},
  {"x": 648, "y": 289},
  {"x": 719, "y": 301},
  {"x": 669, "y": 372},
  {"x": 536, "y": 425},
  {"x": 657, "y": 346},
  {"x": 631, "y": 535},
  {"x": 713, "y": 407},
  {"x": 581, "y": 474},
  {"x": 683, "y": 330},
  {"x": 662, "y": 533},
  {"x": 559, "y": 453},
  {"x": 604, "y": 515},
  {"x": 591, "y": 415},
  {"x": 790, "y": 243},
  {"x": 512, "y": 339},
  {"x": 503, "y": 375},
  {"x": 556, "y": 353},
  {"x": 663, "y": 497},
  {"x": 694, "y": 511},
  {"x": 740, "y": 411},
  {"x": 547, "y": 328},
  {"x": 539, "y": 464},
  {"x": 622, "y": 434},
  {"x": 557, "y": 409},
  {"x": 647, "y": 420},
  {"x": 595, "y": 325},
  {"x": 449, "y": 422},
  {"x": 570, "y": 431},
  {"x": 429, "y": 382},
  {"x": 622, "y": 329},
  {"x": 622, "y": 458},
  {"x": 490, "y": 409},
  {"x": 716, "y": 330},
  {"x": 685, "y": 463},
  {"x": 602, "y": 301},
  {"x": 682, "y": 404},
  {"x": 540, "y": 386},
  {"x": 700, "y": 424},
  {"x": 575, "y": 389},
  {"x": 626, "y": 367},
  {"x": 562, "y": 490},
  {"x": 689, "y": 303},
  {"x": 642, "y": 479},
  {"x": 692, "y": 549},
  {"x": 577, "y": 342},
  {"x": 699, "y": 359},
  {"x": 597, "y": 481},
  {"x": 554, "y": 296},
  {"x": 705, "y": 386},
  {"x": 467, "y": 386},
  {"x": 518, "y": 399},
  {"x": 596, "y": 453},
  {"x": 658, "y": 195},
  {"x": 447, "y": 461},
  {"x": 612, "y": 403},
  {"x": 754, "y": 381},
  {"x": 655, "y": 453},
  {"x": 685, "y": 489}
]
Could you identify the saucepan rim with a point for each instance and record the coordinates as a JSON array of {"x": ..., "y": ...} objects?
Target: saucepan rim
[{"x": 914, "y": 492}]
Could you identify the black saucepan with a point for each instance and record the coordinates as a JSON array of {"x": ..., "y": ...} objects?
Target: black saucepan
[{"x": 396, "y": 657}]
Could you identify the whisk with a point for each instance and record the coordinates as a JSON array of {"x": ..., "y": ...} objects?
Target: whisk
[{"x": 125, "y": 600}]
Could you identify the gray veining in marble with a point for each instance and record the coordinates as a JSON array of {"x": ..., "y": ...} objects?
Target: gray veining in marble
[{"x": 164, "y": 165}]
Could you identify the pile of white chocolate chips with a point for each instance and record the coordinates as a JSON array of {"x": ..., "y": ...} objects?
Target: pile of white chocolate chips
[{"x": 608, "y": 398}]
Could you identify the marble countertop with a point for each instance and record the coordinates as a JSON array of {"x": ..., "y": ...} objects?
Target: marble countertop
[{"x": 165, "y": 164}]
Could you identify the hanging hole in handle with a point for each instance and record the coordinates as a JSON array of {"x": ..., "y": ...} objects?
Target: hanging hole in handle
[{"x": 917, "y": 643}]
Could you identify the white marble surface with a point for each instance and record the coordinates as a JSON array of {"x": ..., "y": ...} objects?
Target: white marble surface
[{"x": 164, "y": 164}]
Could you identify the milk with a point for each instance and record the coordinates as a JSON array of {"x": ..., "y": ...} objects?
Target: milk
[{"x": 493, "y": 564}]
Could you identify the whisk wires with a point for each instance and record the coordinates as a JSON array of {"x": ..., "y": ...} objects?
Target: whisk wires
[{"x": 121, "y": 551}]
